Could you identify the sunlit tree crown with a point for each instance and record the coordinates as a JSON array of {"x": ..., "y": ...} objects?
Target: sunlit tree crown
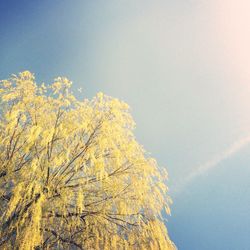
[{"x": 72, "y": 175}]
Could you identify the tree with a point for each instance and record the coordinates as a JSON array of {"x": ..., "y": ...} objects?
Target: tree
[{"x": 72, "y": 175}]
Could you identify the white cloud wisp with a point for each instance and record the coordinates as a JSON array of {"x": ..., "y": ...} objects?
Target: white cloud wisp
[{"x": 214, "y": 162}]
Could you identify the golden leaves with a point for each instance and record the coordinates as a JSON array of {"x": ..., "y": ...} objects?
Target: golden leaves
[
  {"x": 9, "y": 96},
  {"x": 75, "y": 171}
]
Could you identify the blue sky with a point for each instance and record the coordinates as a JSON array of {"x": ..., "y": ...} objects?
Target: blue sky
[{"x": 183, "y": 68}]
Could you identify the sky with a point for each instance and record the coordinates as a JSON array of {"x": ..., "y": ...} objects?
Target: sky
[{"x": 184, "y": 69}]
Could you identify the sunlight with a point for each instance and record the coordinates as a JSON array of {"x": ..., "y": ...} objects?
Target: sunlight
[{"x": 233, "y": 22}]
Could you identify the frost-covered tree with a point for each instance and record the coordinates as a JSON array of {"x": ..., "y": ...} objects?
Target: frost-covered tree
[{"x": 72, "y": 175}]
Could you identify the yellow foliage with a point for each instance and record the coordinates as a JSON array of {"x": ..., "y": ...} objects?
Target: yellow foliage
[{"x": 72, "y": 175}]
